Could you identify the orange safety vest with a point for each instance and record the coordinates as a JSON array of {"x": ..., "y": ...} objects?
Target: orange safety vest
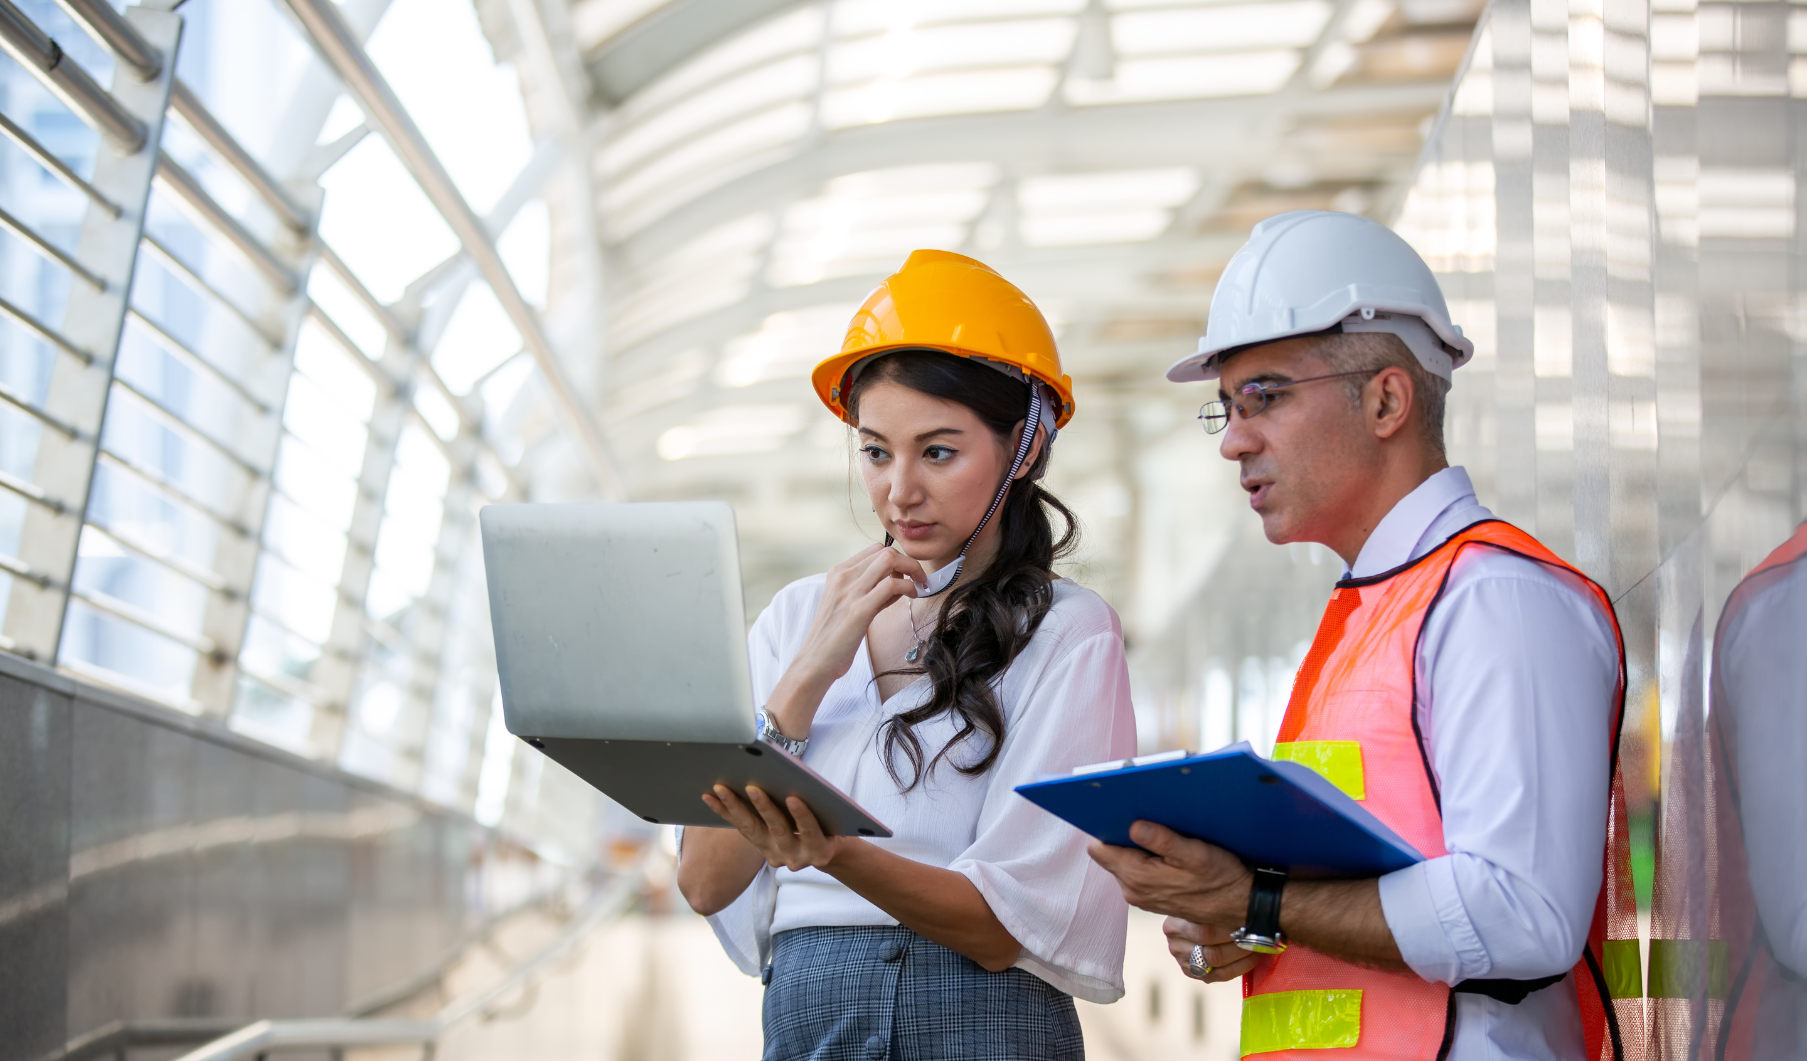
[{"x": 1351, "y": 718}]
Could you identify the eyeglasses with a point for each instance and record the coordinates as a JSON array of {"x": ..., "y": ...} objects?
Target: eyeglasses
[{"x": 1252, "y": 398}]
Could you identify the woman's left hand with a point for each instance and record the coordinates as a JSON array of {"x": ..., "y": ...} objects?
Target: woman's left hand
[{"x": 771, "y": 831}]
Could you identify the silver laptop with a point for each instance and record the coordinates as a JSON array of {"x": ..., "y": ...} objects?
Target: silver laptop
[{"x": 621, "y": 645}]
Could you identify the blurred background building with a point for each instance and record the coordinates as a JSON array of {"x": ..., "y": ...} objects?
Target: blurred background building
[{"x": 290, "y": 288}]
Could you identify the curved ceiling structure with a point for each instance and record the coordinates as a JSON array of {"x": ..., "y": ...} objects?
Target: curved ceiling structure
[{"x": 758, "y": 167}]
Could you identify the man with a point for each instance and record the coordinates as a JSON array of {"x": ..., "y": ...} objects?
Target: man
[{"x": 1465, "y": 684}]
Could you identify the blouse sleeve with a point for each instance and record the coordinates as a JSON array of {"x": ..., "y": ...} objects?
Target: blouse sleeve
[
  {"x": 1031, "y": 867},
  {"x": 744, "y": 926}
]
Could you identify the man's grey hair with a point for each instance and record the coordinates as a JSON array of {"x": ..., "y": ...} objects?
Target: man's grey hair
[{"x": 1373, "y": 351}]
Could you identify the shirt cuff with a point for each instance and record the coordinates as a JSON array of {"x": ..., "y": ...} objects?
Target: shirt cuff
[{"x": 1430, "y": 926}]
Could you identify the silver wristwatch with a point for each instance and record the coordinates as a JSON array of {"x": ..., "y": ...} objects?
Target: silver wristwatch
[{"x": 768, "y": 732}]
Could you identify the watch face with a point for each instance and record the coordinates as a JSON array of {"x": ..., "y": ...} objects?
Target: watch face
[{"x": 1257, "y": 943}]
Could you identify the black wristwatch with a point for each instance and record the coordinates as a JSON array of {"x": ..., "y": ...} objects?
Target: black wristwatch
[{"x": 1261, "y": 932}]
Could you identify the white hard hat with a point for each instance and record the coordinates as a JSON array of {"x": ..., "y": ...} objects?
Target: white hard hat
[{"x": 1314, "y": 271}]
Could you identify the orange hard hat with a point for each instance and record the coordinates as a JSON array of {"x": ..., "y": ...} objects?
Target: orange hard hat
[{"x": 945, "y": 301}]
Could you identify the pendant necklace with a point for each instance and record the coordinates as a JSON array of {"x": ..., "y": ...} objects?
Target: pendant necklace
[{"x": 915, "y": 649}]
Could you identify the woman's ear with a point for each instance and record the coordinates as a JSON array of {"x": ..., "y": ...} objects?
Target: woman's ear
[{"x": 1035, "y": 450}]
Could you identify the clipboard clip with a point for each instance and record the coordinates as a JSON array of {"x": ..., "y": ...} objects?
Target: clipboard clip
[{"x": 1261, "y": 933}]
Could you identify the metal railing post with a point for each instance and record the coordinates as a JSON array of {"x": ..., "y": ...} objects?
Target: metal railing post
[
  {"x": 37, "y": 52},
  {"x": 92, "y": 321}
]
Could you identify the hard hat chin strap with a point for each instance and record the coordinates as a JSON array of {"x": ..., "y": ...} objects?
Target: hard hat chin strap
[{"x": 943, "y": 579}]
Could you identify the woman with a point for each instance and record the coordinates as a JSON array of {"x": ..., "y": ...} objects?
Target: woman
[{"x": 926, "y": 682}]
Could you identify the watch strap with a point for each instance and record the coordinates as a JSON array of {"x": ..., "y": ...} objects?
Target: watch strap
[{"x": 1261, "y": 932}]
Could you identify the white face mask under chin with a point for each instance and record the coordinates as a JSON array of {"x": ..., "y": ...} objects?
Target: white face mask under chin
[{"x": 942, "y": 580}]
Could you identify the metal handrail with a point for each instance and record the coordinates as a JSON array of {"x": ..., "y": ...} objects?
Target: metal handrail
[
  {"x": 46, "y": 158},
  {"x": 268, "y": 1036},
  {"x": 37, "y": 52},
  {"x": 49, "y": 250},
  {"x": 189, "y": 190},
  {"x": 199, "y": 118},
  {"x": 45, "y": 331},
  {"x": 119, "y": 36}
]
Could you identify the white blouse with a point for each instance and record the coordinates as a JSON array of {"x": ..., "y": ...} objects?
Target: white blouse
[{"x": 1066, "y": 703}]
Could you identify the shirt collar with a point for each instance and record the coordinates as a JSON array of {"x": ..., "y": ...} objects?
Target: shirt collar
[{"x": 1423, "y": 519}]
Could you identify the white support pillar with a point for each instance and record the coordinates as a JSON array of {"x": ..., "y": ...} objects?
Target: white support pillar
[{"x": 92, "y": 322}]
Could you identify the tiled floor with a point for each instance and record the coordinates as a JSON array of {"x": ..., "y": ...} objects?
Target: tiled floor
[{"x": 660, "y": 989}]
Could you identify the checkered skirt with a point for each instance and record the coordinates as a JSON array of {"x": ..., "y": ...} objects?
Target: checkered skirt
[{"x": 874, "y": 992}]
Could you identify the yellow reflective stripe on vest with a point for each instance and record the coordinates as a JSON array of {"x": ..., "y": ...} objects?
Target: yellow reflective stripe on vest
[
  {"x": 1340, "y": 761},
  {"x": 1623, "y": 967},
  {"x": 1301, "y": 1020},
  {"x": 1685, "y": 968}
]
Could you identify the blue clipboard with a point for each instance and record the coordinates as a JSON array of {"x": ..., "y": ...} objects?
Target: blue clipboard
[{"x": 1281, "y": 815}]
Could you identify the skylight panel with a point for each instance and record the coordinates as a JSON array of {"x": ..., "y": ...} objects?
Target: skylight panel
[
  {"x": 1120, "y": 226},
  {"x": 799, "y": 31},
  {"x": 1126, "y": 206},
  {"x": 785, "y": 346},
  {"x": 1284, "y": 24},
  {"x": 732, "y": 429},
  {"x": 976, "y": 92},
  {"x": 868, "y": 222},
  {"x": 1078, "y": 192},
  {"x": 854, "y": 17},
  {"x": 903, "y": 52},
  {"x": 715, "y": 158},
  {"x": 705, "y": 274},
  {"x": 773, "y": 83},
  {"x": 593, "y": 22},
  {"x": 1188, "y": 77}
]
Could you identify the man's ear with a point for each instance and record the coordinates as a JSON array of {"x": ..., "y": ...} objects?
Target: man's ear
[{"x": 1388, "y": 401}]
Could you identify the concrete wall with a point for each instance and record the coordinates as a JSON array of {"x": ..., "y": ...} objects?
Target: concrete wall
[{"x": 154, "y": 866}]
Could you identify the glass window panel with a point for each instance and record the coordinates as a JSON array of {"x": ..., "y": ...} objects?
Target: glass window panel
[
  {"x": 273, "y": 716},
  {"x": 172, "y": 601},
  {"x": 478, "y": 337},
  {"x": 468, "y": 107},
  {"x": 787, "y": 79},
  {"x": 301, "y": 538},
  {"x": 1186, "y": 77},
  {"x": 302, "y": 604},
  {"x": 314, "y": 417},
  {"x": 269, "y": 650},
  {"x": 324, "y": 361},
  {"x": 201, "y": 398},
  {"x": 526, "y": 248},
  {"x": 150, "y": 442},
  {"x": 871, "y": 16},
  {"x": 379, "y": 220},
  {"x": 437, "y": 412},
  {"x": 111, "y": 650},
  {"x": 783, "y": 35},
  {"x": 971, "y": 92},
  {"x": 128, "y": 506},
  {"x": 347, "y": 311},
  {"x": 903, "y": 52},
  {"x": 315, "y": 484},
  {"x": 1229, "y": 28}
]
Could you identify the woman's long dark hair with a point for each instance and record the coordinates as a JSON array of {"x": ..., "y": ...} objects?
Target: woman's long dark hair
[{"x": 991, "y": 615}]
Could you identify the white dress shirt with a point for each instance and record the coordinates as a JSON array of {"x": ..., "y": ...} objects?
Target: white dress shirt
[
  {"x": 1066, "y": 703},
  {"x": 1516, "y": 669}
]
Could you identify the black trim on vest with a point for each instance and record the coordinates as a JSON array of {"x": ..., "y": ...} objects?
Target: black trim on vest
[
  {"x": 1449, "y": 1029},
  {"x": 1511, "y": 992}
]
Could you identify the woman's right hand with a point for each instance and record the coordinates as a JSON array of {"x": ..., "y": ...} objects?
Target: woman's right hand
[{"x": 858, "y": 588}]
